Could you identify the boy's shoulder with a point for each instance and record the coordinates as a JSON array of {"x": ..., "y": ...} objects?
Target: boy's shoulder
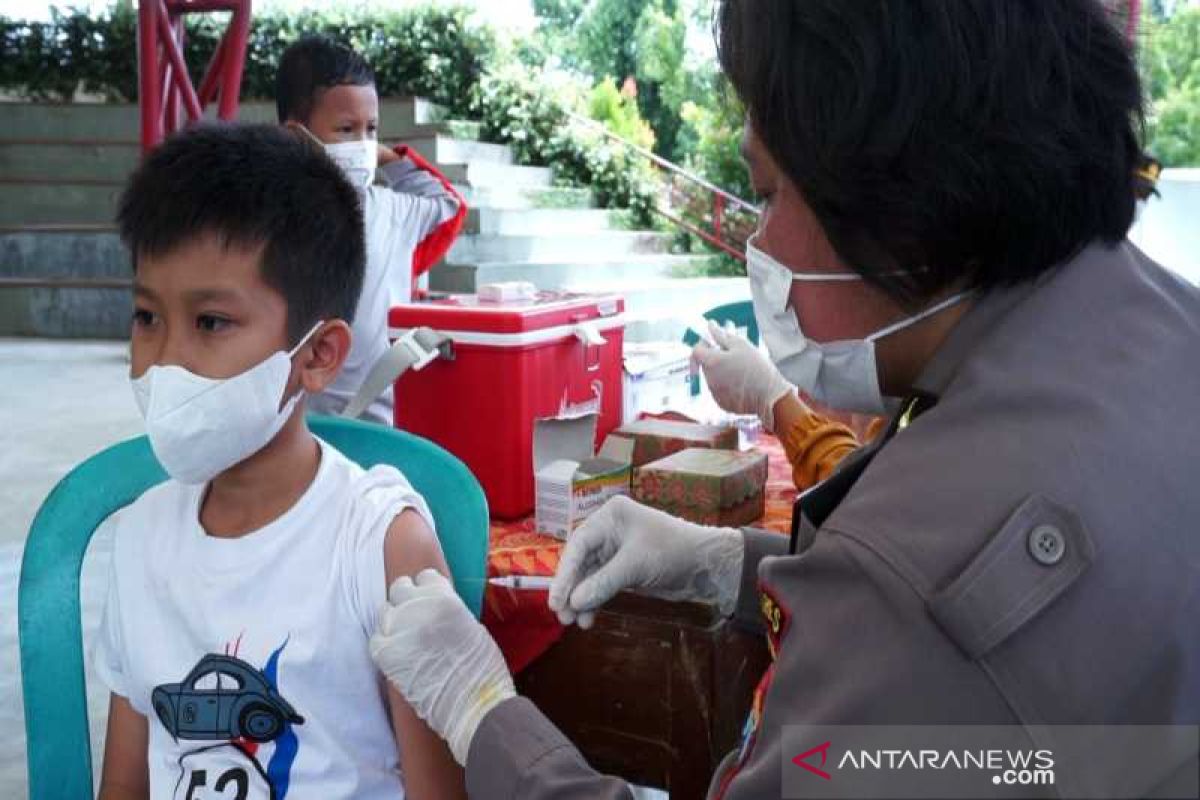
[
  {"x": 380, "y": 491},
  {"x": 164, "y": 504}
]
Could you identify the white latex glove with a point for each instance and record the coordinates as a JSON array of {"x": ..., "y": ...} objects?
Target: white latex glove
[
  {"x": 440, "y": 658},
  {"x": 625, "y": 545},
  {"x": 742, "y": 379}
]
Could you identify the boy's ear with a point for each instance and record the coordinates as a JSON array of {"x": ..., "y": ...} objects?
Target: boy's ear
[
  {"x": 302, "y": 131},
  {"x": 322, "y": 358}
]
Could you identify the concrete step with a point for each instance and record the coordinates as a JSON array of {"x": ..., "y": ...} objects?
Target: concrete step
[
  {"x": 87, "y": 252},
  {"x": 463, "y": 129},
  {"x": 399, "y": 118},
  {"x": 552, "y": 246},
  {"x": 38, "y": 202},
  {"x": 536, "y": 221},
  {"x": 488, "y": 175},
  {"x": 70, "y": 121},
  {"x": 96, "y": 160},
  {"x": 517, "y": 198},
  {"x": 447, "y": 150},
  {"x": 450, "y": 277},
  {"x": 68, "y": 251},
  {"x": 661, "y": 309},
  {"x": 397, "y": 115}
]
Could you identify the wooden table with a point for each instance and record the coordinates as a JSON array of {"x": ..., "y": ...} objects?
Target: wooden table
[{"x": 656, "y": 692}]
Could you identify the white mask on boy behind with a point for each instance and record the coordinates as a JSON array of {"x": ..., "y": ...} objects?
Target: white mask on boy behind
[
  {"x": 357, "y": 160},
  {"x": 843, "y": 374},
  {"x": 200, "y": 427}
]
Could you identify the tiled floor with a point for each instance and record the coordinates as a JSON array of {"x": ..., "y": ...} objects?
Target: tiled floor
[{"x": 59, "y": 403}]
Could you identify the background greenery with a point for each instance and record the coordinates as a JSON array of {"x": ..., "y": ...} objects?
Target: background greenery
[
  {"x": 632, "y": 65},
  {"x": 1170, "y": 59}
]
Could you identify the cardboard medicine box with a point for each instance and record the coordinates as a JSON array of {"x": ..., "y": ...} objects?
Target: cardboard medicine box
[
  {"x": 657, "y": 438},
  {"x": 706, "y": 486},
  {"x": 570, "y": 483}
]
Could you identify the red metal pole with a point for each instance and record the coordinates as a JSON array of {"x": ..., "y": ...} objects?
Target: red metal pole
[
  {"x": 203, "y": 6},
  {"x": 1131, "y": 24},
  {"x": 718, "y": 209},
  {"x": 237, "y": 34},
  {"x": 149, "y": 96},
  {"x": 165, "y": 90},
  {"x": 208, "y": 86},
  {"x": 172, "y": 110},
  {"x": 181, "y": 80}
]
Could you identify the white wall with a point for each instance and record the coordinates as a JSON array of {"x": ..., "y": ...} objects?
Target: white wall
[{"x": 1168, "y": 228}]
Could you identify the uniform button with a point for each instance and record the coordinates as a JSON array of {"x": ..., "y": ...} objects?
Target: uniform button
[{"x": 1047, "y": 545}]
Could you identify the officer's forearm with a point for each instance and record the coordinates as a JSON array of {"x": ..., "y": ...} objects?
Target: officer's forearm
[
  {"x": 518, "y": 753},
  {"x": 759, "y": 544}
]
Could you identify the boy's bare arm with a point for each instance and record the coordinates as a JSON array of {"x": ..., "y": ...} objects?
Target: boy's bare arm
[
  {"x": 125, "y": 775},
  {"x": 429, "y": 769}
]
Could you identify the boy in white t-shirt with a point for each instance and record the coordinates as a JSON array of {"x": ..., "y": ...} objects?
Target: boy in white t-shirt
[
  {"x": 327, "y": 90},
  {"x": 245, "y": 588}
]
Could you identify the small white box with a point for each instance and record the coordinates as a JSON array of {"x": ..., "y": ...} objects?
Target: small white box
[
  {"x": 569, "y": 481},
  {"x": 657, "y": 378}
]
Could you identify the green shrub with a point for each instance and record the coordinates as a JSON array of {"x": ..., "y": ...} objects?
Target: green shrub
[
  {"x": 1170, "y": 60},
  {"x": 619, "y": 114},
  {"x": 515, "y": 107}
]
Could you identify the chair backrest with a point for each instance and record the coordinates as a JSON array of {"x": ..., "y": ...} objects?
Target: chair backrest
[
  {"x": 49, "y": 626},
  {"x": 741, "y": 314}
]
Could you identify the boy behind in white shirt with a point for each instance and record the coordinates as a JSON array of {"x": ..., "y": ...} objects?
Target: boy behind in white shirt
[
  {"x": 244, "y": 589},
  {"x": 327, "y": 90}
]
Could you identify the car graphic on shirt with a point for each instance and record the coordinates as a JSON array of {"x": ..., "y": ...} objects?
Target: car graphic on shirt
[{"x": 223, "y": 698}]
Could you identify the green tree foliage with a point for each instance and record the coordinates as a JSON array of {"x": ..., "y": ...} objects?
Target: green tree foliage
[
  {"x": 619, "y": 113},
  {"x": 1170, "y": 57},
  {"x": 621, "y": 39}
]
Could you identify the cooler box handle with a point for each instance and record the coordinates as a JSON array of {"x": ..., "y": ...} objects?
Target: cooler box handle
[
  {"x": 589, "y": 334},
  {"x": 414, "y": 350}
]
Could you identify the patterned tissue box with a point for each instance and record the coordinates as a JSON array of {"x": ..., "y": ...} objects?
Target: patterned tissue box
[
  {"x": 707, "y": 486},
  {"x": 658, "y": 438}
]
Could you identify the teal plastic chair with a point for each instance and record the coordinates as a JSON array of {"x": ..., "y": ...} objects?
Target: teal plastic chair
[
  {"x": 49, "y": 626},
  {"x": 741, "y": 314}
]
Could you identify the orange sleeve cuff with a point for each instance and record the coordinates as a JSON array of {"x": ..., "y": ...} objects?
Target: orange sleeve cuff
[{"x": 815, "y": 445}]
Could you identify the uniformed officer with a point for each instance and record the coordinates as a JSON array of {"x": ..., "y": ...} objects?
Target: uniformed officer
[{"x": 947, "y": 186}]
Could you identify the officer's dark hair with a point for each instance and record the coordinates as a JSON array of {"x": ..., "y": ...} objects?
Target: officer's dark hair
[
  {"x": 309, "y": 66},
  {"x": 975, "y": 143},
  {"x": 254, "y": 186}
]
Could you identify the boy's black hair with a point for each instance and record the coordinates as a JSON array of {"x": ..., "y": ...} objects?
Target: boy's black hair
[
  {"x": 972, "y": 143},
  {"x": 255, "y": 186},
  {"x": 310, "y": 65}
]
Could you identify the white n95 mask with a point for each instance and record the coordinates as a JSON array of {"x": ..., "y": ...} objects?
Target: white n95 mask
[
  {"x": 357, "y": 160},
  {"x": 843, "y": 374},
  {"x": 200, "y": 427}
]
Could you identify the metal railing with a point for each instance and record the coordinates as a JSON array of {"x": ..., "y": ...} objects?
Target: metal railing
[{"x": 723, "y": 220}]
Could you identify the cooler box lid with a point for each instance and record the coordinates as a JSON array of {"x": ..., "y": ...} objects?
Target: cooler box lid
[{"x": 549, "y": 309}]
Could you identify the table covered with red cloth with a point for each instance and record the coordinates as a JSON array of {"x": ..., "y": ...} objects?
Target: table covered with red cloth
[{"x": 520, "y": 620}]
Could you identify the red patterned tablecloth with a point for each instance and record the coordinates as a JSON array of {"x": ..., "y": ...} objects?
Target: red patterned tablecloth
[{"x": 520, "y": 620}]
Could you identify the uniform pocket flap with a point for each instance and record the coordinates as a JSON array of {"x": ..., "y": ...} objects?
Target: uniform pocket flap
[{"x": 1032, "y": 559}]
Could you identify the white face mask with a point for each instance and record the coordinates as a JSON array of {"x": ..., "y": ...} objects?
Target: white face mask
[
  {"x": 357, "y": 159},
  {"x": 200, "y": 427},
  {"x": 842, "y": 374}
]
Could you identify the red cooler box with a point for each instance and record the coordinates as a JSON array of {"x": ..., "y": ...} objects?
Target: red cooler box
[{"x": 514, "y": 362}]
